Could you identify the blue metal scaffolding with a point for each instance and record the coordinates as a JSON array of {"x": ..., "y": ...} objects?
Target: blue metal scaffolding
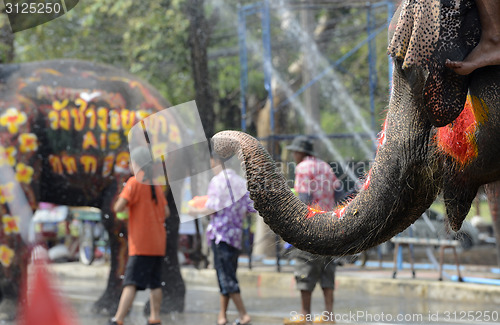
[{"x": 263, "y": 8}]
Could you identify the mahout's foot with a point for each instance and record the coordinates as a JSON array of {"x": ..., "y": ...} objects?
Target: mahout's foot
[{"x": 487, "y": 52}]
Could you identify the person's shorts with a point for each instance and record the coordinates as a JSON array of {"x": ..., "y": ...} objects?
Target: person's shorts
[
  {"x": 309, "y": 269},
  {"x": 226, "y": 264},
  {"x": 143, "y": 272}
]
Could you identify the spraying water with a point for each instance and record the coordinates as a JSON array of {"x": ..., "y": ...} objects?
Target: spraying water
[
  {"x": 333, "y": 86},
  {"x": 347, "y": 108}
]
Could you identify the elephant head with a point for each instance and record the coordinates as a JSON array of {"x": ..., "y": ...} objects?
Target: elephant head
[
  {"x": 63, "y": 139},
  {"x": 419, "y": 155}
]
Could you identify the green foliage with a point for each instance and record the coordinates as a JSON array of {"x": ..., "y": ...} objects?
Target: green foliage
[
  {"x": 145, "y": 37},
  {"x": 150, "y": 39}
]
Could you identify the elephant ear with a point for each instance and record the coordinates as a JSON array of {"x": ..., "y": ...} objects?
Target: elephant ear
[{"x": 426, "y": 34}]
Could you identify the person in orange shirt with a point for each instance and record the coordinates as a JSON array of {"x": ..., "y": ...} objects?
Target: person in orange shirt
[{"x": 147, "y": 236}]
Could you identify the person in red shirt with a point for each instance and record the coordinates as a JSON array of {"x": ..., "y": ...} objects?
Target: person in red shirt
[
  {"x": 315, "y": 185},
  {"x": 147, "y": 237}
]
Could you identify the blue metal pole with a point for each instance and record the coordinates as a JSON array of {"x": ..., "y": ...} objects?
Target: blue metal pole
[
  {"x": 400, "y": 258},
  {"x": 266, "y": 41},
  {"x": 390, "y": 12},
  {"x": 333, "y": 65},
  {"x": 243, "y": 65},
  {"x": 372, "y": 61}
]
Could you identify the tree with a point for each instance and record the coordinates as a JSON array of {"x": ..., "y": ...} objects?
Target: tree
[
  {"x": 6, "y": 41},
  {"x": 199, "y": 38}
]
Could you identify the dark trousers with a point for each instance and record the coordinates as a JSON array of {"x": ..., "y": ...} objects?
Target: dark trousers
[{"x": 226, "y": 263}]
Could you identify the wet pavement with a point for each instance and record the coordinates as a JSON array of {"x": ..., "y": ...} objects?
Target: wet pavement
[{"x": 270, "y": 296}]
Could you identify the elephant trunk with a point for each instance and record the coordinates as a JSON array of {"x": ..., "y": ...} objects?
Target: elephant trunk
[{"x": 386, "y": 205}]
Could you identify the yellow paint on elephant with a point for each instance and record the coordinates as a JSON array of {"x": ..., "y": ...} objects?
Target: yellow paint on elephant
[
  {"x": 102, "y": 140},
  {"x": 122, "y": 160},
  {"x": 3, "y": 156},
  {"x": 158, "y": 125},
  {"x": 54, "y": 120},
  {"x": 103, "y": 118},
  {"x": 480, "y": 109},
  {"x": 122, "y": 79},
  {"x": 174, "y": 135},
  {"x": 69, "y": 163},
  {"x": 89, "y": 164},
  {"x": 114, "y": 120},
  {"x": 56, "y": 164},
  {"x": 12, "y": 119},
  {"x": 458, "y": 139},
  {"x": 128, "y": 119},
  {"x": 28, "y": 142},
  {"x": 6, "y": 255},
  {"x": 82, "y": 104},
  {"x": 65, "y": 120},
  {"x": 10, "y": 224},
  {"x": 39, "y": 72},
  {"x": 159, "y": 149},
  {"x": 92, "y": 117},
  {"x": 89, "y": 141},
  {"x": 73, "y": 118},
  {"x": 108, "y": 164},
  {"x": 79, "y": 96},
  {"x": 10, "y": 153},
  {"x": 24, "y": 173},
  {"x": 78, "y": 118},
  {"x": 142, "y": 114},
  {"x": 6, "y": 193},
  {"x": 57, "y": 105},
  {"x": 114, "y": 140}
]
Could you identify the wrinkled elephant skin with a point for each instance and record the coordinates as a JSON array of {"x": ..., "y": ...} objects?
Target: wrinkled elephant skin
[{"x": 419, "y": 154}]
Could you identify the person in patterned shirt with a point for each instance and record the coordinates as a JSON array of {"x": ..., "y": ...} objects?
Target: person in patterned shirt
[
  {"x": 227, "y": 204},
  {"x": 315, "y": 184}
]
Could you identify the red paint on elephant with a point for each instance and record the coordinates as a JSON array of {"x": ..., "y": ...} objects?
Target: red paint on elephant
[
  {"x": 312, "y": 212},
  {"x": 382, "y": 138},
  {"x": 367, "y": 181},
  {"x": 382, "y": 135},
  {"x": 458, "y": 139},
  {"x": 339, "y": 213}
]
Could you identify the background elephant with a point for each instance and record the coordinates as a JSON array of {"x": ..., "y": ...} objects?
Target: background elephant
[
  {"x": 419, "y": 155},
  {"x": 63, "y": 132}
]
